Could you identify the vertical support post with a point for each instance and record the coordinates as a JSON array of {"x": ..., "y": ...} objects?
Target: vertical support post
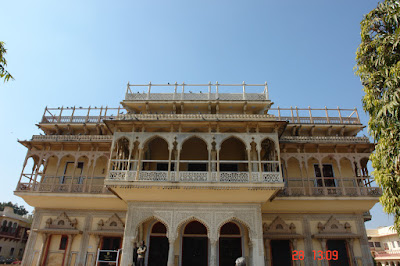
[
  {"x": 340, "y": 115},
  {"x": 216, "y": 90},
  {"x": 297, "y": 115},
  {"x": 101, "y": 110},
  {"x": 183, "y": 91},
  {"x": 171, "y": 252},
  {"x": 327, "y": 115},
  {"x": 213, "y": 252},
  {"x": 249, "y": 165},
  {"x": 266, "y": 91},
  {"x": 45, "y": 239},
  {"x": 209, "y": 90},
  {"x": 279, "y": 113},
  {"x": 59, "y": 116},
  {"x": 309, "y": 111},
  {"x": 321, "y": 167},
  {"x": 87, "y": 116},
  {"x": 148, "y": 92},
  {"x": 244, "y": 91},
  {"x": 139, "y": 164},
  {"x": 291, "y": 112},
  {"x": 178, "y": 150},
  {"x": 218, "y": 166},
  {"x": 44, "y": 114},
  {"x": 358, "y": 117},
  {"x": 169, "y": 163},
  {"x": 175, "y": 89},
  {"x": 72, "y": 115}
]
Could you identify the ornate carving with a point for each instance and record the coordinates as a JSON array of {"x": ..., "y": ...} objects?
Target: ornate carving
[
  {"x": 113, "y": 223},
  {"x": 333, "y": 226},
  {"x": 278, "y": 226},
  {"x": 61, "y": 222}
]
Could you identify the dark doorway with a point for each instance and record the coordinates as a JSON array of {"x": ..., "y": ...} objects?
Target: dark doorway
[
  {"x": 158, "y": 253},
  {"x": 111, "y": 243},
  {"x": 159, "y": 246},
  {"x": 230, "y": 244},
  {"x": 230, "y": 248},
  {"x": 195, "y": 245},
  {"x": 194, "y": 251},
  {"x": 341, "y": 247},
  {"x": 281, "y": 253}
]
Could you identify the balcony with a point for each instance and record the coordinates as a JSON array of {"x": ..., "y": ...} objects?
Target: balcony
[
  {"x": 346, "y": 187},
  {"x": 71, "y": 186}
]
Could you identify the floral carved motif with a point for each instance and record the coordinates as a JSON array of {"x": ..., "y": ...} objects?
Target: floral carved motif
[{"x": 61, "y": 222}]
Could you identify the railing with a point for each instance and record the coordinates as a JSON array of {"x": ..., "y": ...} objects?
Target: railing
[
  {"x": 71, "y": 115},
  {"x": 67, "y": 187},
  {"x": 79, "y": 115},
  {"x": 196, "y": 176},
  {"x": 91, "y": 138},
  {"x": 201, "y": 117},
  {"x": 316, "y": 115},
  {"x": 323, "y": 139},
  {"x": 197, "y": 92},
  {"x": 333, "y": 187}
]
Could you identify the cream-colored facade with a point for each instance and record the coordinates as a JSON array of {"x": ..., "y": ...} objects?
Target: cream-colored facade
[
  {"x": 202, "y": 176},
  {"x": 384, "y": 244},
  {"x": 13, "y": 233}
]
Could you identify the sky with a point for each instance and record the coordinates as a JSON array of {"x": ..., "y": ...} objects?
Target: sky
[{"x": 66, "y": 53}]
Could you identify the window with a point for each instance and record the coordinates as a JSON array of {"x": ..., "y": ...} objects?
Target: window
[
  {"x": 20, "y": 253},
  {"x": 164, "y": 167},
  {"x": 386, "y": 246},
  {"x": 371, "y": 244},
  {"x": 14, "y": 228},
  {"x": 11, "y": 252},
  {"x": 197, "y": 167},
  {"x": 228, "y": 167},
  {"x": 377, "y": 244},
  {"x": 4, "y": 226},
  {"x": 63, "y": 242},
  {"x": 327, "y": 169}
]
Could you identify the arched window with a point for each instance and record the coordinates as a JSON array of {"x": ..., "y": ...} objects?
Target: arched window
[
  {"x": 14, "y": 228},
  {"x": 4, "y": 226},
  {"x": 195, "y": 228},
  {"x": 159, "y": 228}
]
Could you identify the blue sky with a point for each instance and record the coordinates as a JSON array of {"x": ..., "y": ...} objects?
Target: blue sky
[{"x": 84, "y": 52}]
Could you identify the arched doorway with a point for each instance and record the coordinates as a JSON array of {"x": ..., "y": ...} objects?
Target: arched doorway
[
  {"x": 158, "y": 245},
  {"x": 230, "y": 244},
  {"x": 195, "y": 245}
]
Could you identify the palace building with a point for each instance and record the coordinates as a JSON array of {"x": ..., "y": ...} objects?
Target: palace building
[{"x": 204, "y": 174}]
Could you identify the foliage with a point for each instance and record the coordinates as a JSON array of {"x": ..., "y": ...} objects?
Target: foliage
[
  {"x": 17, "y": 209},
  {"x": 378, "y": 66},
  {"x": 3, "y": 63}
]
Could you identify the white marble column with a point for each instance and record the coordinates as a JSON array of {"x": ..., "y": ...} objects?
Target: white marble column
[
  {"x": 213, "y": 252},
  {"x": 171, "y": 252},
  {"x": 129, "y": 238}
]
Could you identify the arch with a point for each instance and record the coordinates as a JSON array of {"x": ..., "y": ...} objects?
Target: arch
[
  {"x": 151, "y": 138},
  {"x": 188, "y": 137},
  {"x": 100, "y": 166},
  {"x": 230, "y": 228},
  {"x": 4, "y": 226},
  {"x": 190, "y": 219},
  {"x": 155, "y": 148},
  {"x": 14, "y": 227},
  {"x": 121, "y": 148},
  {"x": 231, "y": 136},
  {"x": 293, "y": 167},
  {"x": 194, "y": 228},
  {"x": 157, "y": 219},
  {"x": 238, "y": 221},
  {"x": 233, "y": 149},
  {"x": 269, "y": 139},
  {"x": 158, "y": 228}
]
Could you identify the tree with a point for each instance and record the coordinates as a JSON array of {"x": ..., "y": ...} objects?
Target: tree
[
  {"x": 378, "y": 66},
  {"x": 17, "y": 209},
  {"x": 3, "y": 63}
]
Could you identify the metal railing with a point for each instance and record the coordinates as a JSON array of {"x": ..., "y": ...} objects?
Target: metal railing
[
  {"x": 316, "y": 115},
  {"x": 195, "y": 92},
  {"x": 330, "y": 186}
]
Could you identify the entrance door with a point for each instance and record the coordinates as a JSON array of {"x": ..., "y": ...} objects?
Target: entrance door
[
  {"x": 281, "y": 253},
  {"x": 341, "y": 247},
  {"x": 230, "y": 248},
  {"x": 195, "y": 251},
  {"x": 111, "y": 243},
  {"x": 158, "y": 253},
  {"x": 195, "y": 245}
]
